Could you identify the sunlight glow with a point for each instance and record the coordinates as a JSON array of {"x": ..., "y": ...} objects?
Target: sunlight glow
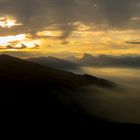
[
  {"x": 20, "y": 41},
  {"x": 50, "y": 33},
  {"x": 8, "y": 22},
  {"x": 6, "y": 40}
]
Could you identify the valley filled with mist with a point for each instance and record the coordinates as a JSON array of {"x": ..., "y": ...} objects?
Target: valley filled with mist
[
  {"x": 121, "y": 105},
  {"x": 116, "y": 105}
]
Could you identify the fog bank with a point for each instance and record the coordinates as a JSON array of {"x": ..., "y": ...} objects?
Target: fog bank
[{"x": 121, "y": 105}]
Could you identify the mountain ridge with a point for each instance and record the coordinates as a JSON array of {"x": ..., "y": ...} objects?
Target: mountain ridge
[
  {"x": 19, "y": 74},
  {"x": 23, "y": 80},
  {"x": 108, "y": 61},
  {"x": 54, "y": 62}
]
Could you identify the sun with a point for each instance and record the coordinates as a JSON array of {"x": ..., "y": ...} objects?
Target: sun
[{"x": 8, "y": 22}]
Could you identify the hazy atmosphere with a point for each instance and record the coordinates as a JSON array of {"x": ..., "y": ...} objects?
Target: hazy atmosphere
[
  {"x": 122, "y": 105},
  {"x": 80, "y": 57}
]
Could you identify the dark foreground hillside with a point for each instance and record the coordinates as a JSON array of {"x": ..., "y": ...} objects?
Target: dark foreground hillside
[
  {"x": 53, "y": 90},
  {"x": 18, "y": 75}
]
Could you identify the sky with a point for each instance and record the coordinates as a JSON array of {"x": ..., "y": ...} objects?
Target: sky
[{"x": 70, "y": 27}]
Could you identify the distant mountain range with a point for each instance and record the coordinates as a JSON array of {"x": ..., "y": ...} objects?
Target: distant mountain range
[
  {"x": 107, "y": 61},
  {"x": 73, "y": 63},
  {"x": 54, "y": 62}
]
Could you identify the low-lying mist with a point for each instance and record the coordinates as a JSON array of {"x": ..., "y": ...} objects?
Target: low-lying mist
[{"x": 119, "y": 105}]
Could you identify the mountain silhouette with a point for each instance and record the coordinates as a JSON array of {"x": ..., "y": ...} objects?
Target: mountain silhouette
[
  {"x": 108, "y": 61},
  {"x": 19, "y": 75},
  {"x": 53, "y": 90},
  {"x": 54, "y": 62}
]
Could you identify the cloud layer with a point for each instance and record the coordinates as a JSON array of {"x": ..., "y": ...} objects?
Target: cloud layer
[{"x": 36, "y": 15}]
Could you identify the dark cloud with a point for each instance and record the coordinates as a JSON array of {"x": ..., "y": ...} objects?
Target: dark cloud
[
  {"x": 119, "y": 12},
  {"x": 133, "y": 42},
  {"x": 38, "y": 14},
  {"x": 9, "y": 47},
  {"x": 23, "y": 46},
  {"x": 64, "y": 42},
  {"x": 36, "y": 46}
]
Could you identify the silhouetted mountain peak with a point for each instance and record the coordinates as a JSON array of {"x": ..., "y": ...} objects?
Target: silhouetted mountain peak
[
  {"x": 88, "y": 56},
  {"x": 5, "y": 56},
  {"x": 71, "y": 58},
  {"x": 51, "y": 58},
  {"x": 109, "y": 61},
  {"x": 54, "y": 62}
]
